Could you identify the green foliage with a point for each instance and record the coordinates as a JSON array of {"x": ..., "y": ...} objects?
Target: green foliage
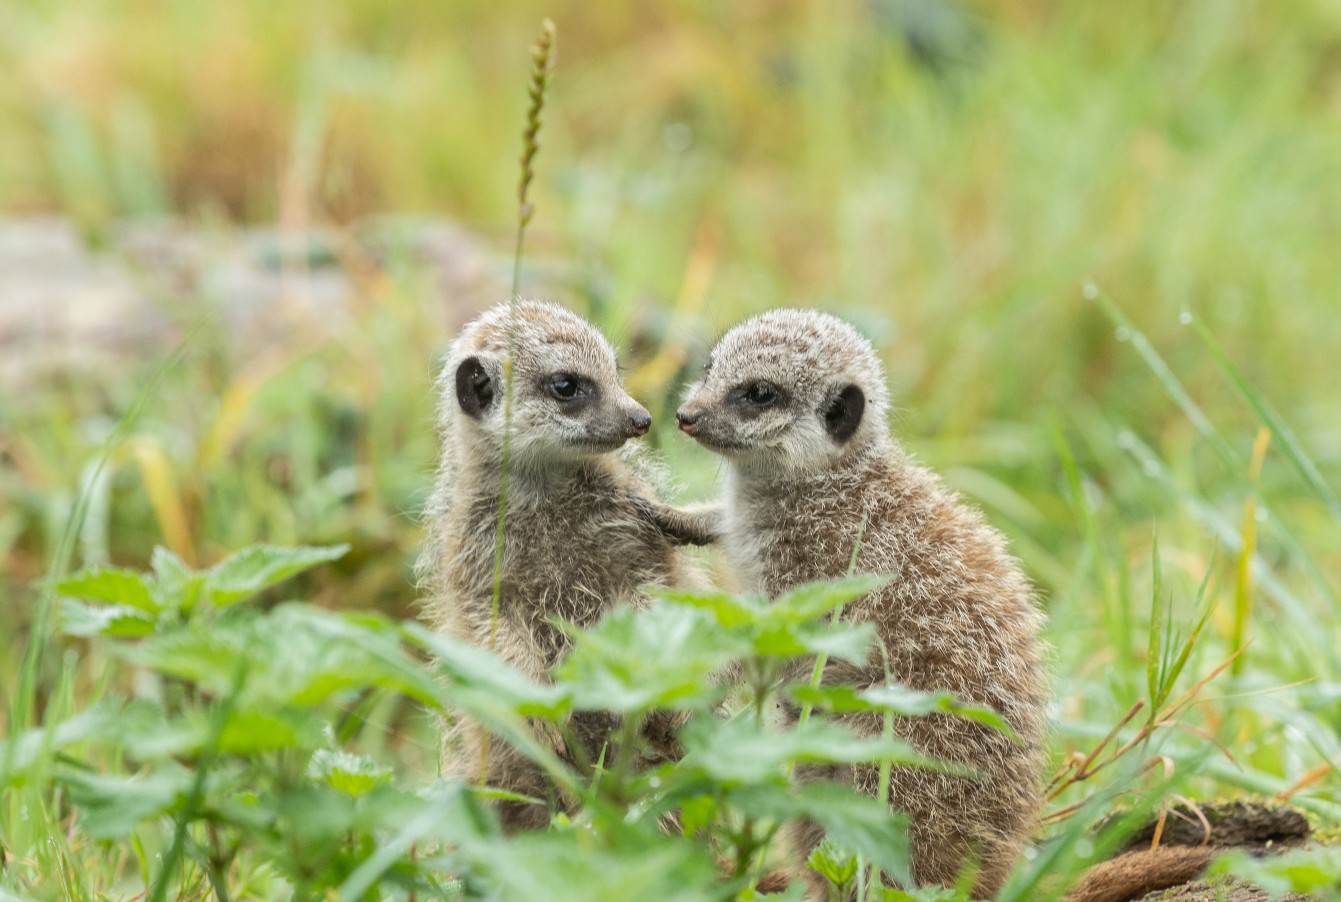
[
  {"x": 1316, "y": 872},
  {"x": 235, "y": 756},
  {"x": 950, "y": 176}
]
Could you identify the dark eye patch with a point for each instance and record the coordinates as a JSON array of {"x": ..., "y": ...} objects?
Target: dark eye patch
[
  {"x": 755, "y": 396},
  {"x": 568, "y": 388}
]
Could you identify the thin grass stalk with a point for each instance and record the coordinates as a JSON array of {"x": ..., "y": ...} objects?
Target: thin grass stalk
[
  {"x": 1268, "y": 415},
  {"x": 1177, "y": 392},
  {"x": 542, "y": 63},
  {"x": 209, "y": 753},
  {"x": 1243, "y": 587},
  {"x": 816, "y": 674},
  {"x": 23, "y": 713}
]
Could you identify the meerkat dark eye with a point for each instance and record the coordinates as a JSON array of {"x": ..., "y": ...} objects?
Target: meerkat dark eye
[
  {"x": 565, "y": 387},
  {"x": 760, "y": 394}
]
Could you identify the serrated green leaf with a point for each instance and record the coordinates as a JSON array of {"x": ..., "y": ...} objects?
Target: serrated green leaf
[
  {"x": 739, "y": 751},
  {"x": 19, "y": 754},
  {"x": 850, "y": 818},
  {"x": 471, "y": 668},
  {"x": 661, "y": 657},
  {"x": 353, "y": 775},
  {"x": 295, "y": 655},
  {"x": 259, "y": 567},
  {"x": 834, "y": 863},
  {"x": 811, "y": 600},
  {"x": 896, "y": 699},
  {"x": 696, "y": 814},
  {"x": 111, "y": 585},
  {"x": 177, "y": 585},
  {"x": 571, "y": 866},
  {"x": 119, "y": 620},
  {"x": 728, "y": 609},
  {"x": 923, "y": 894},
  {"x": 111, "y": 807},
  {"x": 845, "y": 641}
]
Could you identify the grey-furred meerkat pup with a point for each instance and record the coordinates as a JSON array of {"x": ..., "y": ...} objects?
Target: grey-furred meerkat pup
[
  {"x": 583, "y": 531},
  {"x": 796, "y": 403}
]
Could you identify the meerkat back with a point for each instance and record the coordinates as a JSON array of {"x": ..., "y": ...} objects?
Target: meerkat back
[{"x": 795, "y": 402}]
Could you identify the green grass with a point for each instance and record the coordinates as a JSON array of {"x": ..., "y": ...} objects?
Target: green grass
[{"x": 701, "y": 163}]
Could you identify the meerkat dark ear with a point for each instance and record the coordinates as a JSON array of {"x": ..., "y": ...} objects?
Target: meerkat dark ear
[
  {"x": 843, "y": 415},
  {"x": 474, "y": 388}
]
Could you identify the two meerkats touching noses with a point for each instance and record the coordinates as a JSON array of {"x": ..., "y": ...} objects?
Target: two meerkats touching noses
[{"x": 795, "y": 403}]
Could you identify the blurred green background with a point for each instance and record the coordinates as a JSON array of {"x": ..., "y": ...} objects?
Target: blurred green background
[{"x": 966, "y": 181}]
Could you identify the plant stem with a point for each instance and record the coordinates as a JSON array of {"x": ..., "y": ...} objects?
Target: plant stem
[{"x": 542, "y": 57}]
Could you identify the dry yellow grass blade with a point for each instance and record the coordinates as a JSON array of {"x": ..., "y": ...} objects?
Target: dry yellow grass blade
[
  {"x": 161, "y": 485},
  {"x": 1243, "y": 589}
]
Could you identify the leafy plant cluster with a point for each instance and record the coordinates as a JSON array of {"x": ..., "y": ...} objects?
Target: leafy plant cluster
[{"x": 236, "y": 768}]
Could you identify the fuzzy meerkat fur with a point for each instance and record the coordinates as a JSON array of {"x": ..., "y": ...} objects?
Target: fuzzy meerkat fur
[
  {"x": 795, "y": 401},
  {"x": 583, "y": 533}
]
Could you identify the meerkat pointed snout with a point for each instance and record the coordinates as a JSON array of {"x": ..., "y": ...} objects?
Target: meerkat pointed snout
[
  {"x": 795, "y": 401},
  {"x": 766, "y": 401},
  {"x": 567, "y": 397},
  {"x": 584, "y": 532}
]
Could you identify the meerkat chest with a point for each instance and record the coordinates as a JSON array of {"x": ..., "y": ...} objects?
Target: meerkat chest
[
  {"x": 581, "y": 554},
  {"x": 779, "y": 540}
]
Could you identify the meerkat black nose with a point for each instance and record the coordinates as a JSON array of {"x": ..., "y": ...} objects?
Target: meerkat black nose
[
  {"x": 640, "y": 422},
  {"x": 686, "y": 420}
]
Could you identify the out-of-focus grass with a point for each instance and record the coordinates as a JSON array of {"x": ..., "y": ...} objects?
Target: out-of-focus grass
[{"x": 952, "y": 195}]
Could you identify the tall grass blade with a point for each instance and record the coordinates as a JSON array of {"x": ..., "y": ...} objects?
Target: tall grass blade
[
  {"x": 23, "y": 712},
  {"x": 1294, "y": 449},
  {"x": 1243, "y": 587},
  {"x": 542, "y": 63}
]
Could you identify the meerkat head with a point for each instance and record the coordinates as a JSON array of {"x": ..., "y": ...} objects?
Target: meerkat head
[
  {"x": 567, "y": 401},
  {"x": 789, "y": 390}
]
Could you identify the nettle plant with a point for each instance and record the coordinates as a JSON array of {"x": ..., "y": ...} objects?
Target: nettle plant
[{"x": 236, "y": 770}]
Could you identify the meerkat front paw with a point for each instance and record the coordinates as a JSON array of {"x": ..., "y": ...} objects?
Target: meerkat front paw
[{"x": 694, "y": 525}]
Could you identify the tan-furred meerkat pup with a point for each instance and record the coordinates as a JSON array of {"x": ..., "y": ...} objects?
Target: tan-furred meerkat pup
[
  {"x": 795, "y": 401},
  {"x": 583, "y": 533}
]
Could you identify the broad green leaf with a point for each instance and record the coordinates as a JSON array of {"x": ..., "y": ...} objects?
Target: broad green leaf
[
  {"x": 251, "y": 730},
  {"x": 469, "y": 667},
  {"x": 1312, "y": 871},
  {"x": 661, "y": 657},
  {"x": 207, "y": 657},
  {"x": 578, "y": 866},
  {"x": 118, "y": 620},
  {"x": 177, "y": 585},
  {"x": 728, "y": 609},
  {"x": 845, "y": 641},
  {"x": 259, "y": 567},
  {"x": 354, "y": 775},
  {"x": 697, "y": 814},
  {"x": 834, "y": 863},
  {"x": 294, "y": 655},
  {"x": 739, "y": 751},
  {"x": 483, "y": 686},
  {"x": 19, "y": 754},
  {"x": 923, "y": 894},
  {"x": 113, "y": 586},
  {"x": 447, "y": 810},
  {"x": 111, "y": 807},
  {"x": 896, "y": 699},
  {"x": 850, "y": 818},
  {"x": 811, "y": 600}
]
